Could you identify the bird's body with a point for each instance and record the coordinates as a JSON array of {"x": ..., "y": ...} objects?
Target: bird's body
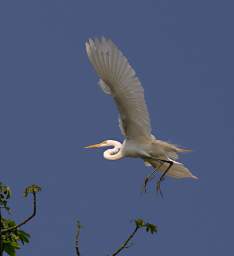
[
  {"x": 133, "y": 148},
  {"x": 118, "y": 79},
  {"x": 144, "y": 149}
]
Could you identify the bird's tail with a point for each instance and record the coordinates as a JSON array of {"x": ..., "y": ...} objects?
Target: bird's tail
[
  {"x": 182, "y": 150},
  {"x": 172, "y": 150},
  {"x": 172, "y": 147},
  {"x": 177, "y": 170}
]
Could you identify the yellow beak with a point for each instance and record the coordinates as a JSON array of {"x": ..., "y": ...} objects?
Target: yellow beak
[{"x": 94, "y": 146}]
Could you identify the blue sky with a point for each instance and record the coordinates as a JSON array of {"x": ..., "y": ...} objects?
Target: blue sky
[{"x": 51, "y": 106}]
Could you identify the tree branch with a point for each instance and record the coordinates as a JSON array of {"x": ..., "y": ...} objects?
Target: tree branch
[
  {"x": 139, "y": 224},
  {"x": 26, "y": 220},
  {"x": 124, "y": 245}
]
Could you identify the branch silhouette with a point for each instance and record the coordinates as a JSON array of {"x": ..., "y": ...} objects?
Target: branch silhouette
[
  {"x": 139, "y": 224},
  {"x": 125, "y": 244},
  {"x": 78, "y": 227},
  {"x": 26, "y": 220}
]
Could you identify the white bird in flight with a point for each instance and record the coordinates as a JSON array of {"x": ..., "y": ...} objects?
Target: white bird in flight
[{"x": 118, "y": 79}]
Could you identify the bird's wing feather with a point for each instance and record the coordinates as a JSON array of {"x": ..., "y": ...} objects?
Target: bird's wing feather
[
  {"x": 118, "y": 78},
  {"x": 104, "y": 86}
]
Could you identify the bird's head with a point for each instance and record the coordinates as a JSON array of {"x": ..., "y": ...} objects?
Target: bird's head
[{"x": 114, "y": 153}]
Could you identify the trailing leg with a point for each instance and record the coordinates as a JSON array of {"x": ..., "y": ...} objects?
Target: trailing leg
[
  {"x": 151, "y": 175},
  {"x": 158, "y": 186}
]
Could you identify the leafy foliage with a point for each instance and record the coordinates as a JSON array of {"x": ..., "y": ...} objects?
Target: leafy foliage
[
  {"x": 5, "y": 194},
  {"x": 12, "y": 241},
  {"x": 149, "y": 227},
  {"x": 11, "y": 237},
  {"x": 32, "y": 189}
]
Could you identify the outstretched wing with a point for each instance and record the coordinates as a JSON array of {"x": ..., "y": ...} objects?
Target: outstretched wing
[{"x": 118, "y": 79}]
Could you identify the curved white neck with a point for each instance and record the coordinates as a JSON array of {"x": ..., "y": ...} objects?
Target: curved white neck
[{"x": 113, "y": 153}]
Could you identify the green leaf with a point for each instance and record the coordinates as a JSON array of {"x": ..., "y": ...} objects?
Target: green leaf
[
  {"x": 139, "y": 223},
  {"x": 9, "y": 250},
  {"x": 9, "y": 223},
  {"x": 23, "y": 236},
  {"x": 15, "y": 245},
  {"x": 32, "y": 189},
  {"x": 5, "y": 190},
  {"x": 151, "y": 228},
  {"x": 5, "y": 194},
  {"x": 23, "y": 233}
]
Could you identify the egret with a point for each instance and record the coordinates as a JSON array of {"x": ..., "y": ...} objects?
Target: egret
[{"x": 118, "y": 79}]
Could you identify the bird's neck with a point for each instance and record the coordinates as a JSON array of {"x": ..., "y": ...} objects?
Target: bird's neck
[{"x": 113, "y": 153}]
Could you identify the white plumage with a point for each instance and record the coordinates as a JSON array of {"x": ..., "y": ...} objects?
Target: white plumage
[{"x": 118, "y": 79}]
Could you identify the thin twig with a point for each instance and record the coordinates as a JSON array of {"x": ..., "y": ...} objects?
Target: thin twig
[
  {"x": 124, "y": 245},
  {"x": 26, "y": 220},
  {"x": 77, "y": 238}
]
